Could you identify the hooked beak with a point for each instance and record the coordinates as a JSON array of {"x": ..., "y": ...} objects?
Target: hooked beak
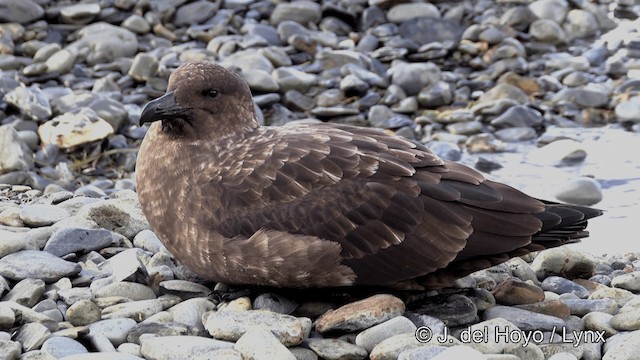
[{"x": 162, "y": 108}]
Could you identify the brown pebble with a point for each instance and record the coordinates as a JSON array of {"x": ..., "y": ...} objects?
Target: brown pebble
[
  {"x": 514, "y": 292},
  {"x": 555, "y": 308},
  {"x": 361, "y": 314}
]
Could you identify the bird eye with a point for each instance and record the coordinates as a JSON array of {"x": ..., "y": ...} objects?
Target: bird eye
[{"x": 211, "y": 93}]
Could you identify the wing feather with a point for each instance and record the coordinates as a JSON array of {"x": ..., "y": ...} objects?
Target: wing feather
[{"x": 397, "y": 210}]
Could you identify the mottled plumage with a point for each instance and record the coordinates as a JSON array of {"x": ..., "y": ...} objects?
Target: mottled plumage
[{"x": 321, "y": 205}]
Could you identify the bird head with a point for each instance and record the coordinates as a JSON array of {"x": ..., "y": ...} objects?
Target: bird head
[{"x": 203, "y": 100}]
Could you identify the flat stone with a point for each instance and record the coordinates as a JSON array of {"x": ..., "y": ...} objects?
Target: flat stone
[
  {"x": 292, "y": 79},
  {"x": 404, "y": 12},
  {"x": 260, "y": 81},
  {"x": 174, "y": 347},
  {"x": 231, "y": 325},
  {"x": 37, "y": 215},
  {"x": 260, "y": 343},
  {"x": 184, "y": 289},
  {"x": 336, "y": 349},
  {"x": 43, "y": 266},
  {"x": 361, "y": 314},
  {"x": 505, "y": 91},
  {"x": 525, "y": 320},
  {"x": 582, "y": 97},
  {"x": 581, "y": 307},
  {"x": 22, "y": 12},
  {"x": 302, "y": 12},
  {"x": 31, "y": 336},
  {"x": 139, "y": 310},
  {"x": 107, "y": 42},
  {"x": 26, "y": 292},
  {"x": 372, "y": 336},
  {"x": 79, "y": 13},
  {"x": 60, "y": 347},
  {"x": 15, "y": 155},
  {"x": 128, "y": 290},
  {"x": 116, "y": 330},
  {"x": 391, "y": 348},
  {"x": 74, "y": 240}
]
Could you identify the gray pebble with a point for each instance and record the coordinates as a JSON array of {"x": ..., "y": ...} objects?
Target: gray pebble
[
  {"x": 372, "y": 336},
  {"x": 10, "y": 349},
  {"x": 335, "y": 349},
  {"x": 581, "y": 191},
  {"x": 302, "y": 12},
  {"x": 144, "y": 67},
  {"x": 630, "y": 281},
  {"x": 231, "y": 325},
  {"x": 128, "y": 290},
  {"x": 37, "y": 215},
  {"x": 524, "y": 319},
  {"x": 60, "y": 347},
  {"x": 626, "y": 321},
  {"x": 15, "y": 154},
  {"x": 137, "y": 24},
  {"x": 122, "y": 215},
  {"x": 184, "y": 289},
  {"x": 274, "y": 302},
  {"x": 26, "y": 292},
  {"x": 116, "y": 330},
  {"x": 454, "y": 310},
  {"x": 292, "y": 79},
  {"x": 582, "y": 307},
  {"x": 61, "y": 62},
  {"x": 563, "y": 261},
  {"x": 43, "y": 266},
  {"x": 412, "y": 77},
  {"x": 71, "y": 240},
  {"x": 31, "y": 101},
  {"x": 171, "y": 347},
  {"x": 83, "y": 312},
  {"x": 599, "y": 321},
  {"x": 140, "y": 309},
  {"x": 31, "y": 336},
  {"x": 260, "y": 343},
  {"x": 561, "y": 285},
  {"x": 404, "y": 12},
  {"x": 190, "y": 312}
]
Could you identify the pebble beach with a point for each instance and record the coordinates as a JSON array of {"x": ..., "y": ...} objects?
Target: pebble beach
[{"x": 543, "y": 95}]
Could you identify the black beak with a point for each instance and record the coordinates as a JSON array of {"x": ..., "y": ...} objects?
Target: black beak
[{"x": 162, "y": 108}]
